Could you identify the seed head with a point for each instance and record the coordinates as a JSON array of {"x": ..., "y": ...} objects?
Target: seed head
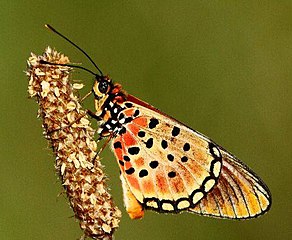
[{"x": 67, "y": 127}]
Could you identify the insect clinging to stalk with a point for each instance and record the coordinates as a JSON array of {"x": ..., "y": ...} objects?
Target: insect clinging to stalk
[{"x": 165, "y": 165}]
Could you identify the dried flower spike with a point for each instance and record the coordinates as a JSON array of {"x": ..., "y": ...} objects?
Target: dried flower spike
[{"x": 67, "y": 127}]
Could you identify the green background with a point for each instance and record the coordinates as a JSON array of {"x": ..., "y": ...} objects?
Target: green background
[{"x": 223, "y": 68}]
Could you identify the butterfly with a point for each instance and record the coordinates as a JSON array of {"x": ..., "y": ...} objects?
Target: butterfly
[{"x": 168, "y": 167}]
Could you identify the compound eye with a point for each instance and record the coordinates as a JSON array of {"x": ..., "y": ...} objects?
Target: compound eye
[{"x": 103, "y": 86}]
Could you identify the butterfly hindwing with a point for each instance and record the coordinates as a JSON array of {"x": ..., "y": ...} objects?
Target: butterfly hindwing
[
  {"x": 133, "y": 207},
  {"x": 167, "y": 166},
  {"x": 239, "y": 193}
]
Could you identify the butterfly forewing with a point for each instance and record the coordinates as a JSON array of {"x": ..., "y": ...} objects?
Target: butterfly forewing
[{"x": 167, "y": 166}]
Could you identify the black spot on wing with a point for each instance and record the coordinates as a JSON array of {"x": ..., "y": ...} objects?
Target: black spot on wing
[
  {"x": 128, "y": 119},
  {"x": 149, "y": 143},
  {"x": 130, "y": 171},
  {"x": 121, "y": 163},
  {"x": 143, "y": 173},
  {"x": 141, "y": 134},
  {"x": 184, "y": 159},
  {"x": 136, "y": 113},
  {"x": 164, "y": 144},
  {"x": 117, "y": 145},
  {"x": 186, "y": 147},
  {"x": 133, "y": 150},
  {"x": 153, "y": 123},
  {"x": 153, "y": 164},
  {"x": 171, "y": 174},
  {"x": 175, "y": 131},
  {"x": 170, "y": 157},
  {"x": 129, "y": 105}
]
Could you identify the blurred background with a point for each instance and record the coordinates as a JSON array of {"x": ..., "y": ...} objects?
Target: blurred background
[{"x": 223, "y": 68}]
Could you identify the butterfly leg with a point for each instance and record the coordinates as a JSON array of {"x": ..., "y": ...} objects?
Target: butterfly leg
[
  {"x": 102, "y": 147},
  {"x": 105, "y": 144},
  {"x": 93, "y": 115},
  {"x": 87, "y": 111},
  {"x": 69, "y": 125},
  {"x": 86, "y": 96}
]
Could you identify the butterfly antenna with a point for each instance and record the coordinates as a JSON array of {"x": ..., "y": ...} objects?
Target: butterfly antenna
[
  {"x": 68, "y": 65},
  {"x": 80, "y": 49}
]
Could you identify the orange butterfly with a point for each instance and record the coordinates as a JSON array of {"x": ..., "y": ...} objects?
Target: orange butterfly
[{"x": 168, "y": 167}]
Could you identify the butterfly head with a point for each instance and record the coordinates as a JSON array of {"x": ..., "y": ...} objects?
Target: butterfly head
[{"x": 101, "y": 87}]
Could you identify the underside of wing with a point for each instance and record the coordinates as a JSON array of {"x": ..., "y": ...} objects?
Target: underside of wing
[
  {"x": 167, "y": 166},
  {"x": 239, "y": 193}
]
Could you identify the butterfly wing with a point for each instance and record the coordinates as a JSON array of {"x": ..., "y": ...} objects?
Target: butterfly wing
[
  {"x": 239, "y": 193},
  {"x": 133, "y": 207},
  {"x": 168, "y": 167}
]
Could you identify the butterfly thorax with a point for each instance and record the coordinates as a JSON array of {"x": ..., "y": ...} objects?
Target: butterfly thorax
[{"x": 109, "y": 102}]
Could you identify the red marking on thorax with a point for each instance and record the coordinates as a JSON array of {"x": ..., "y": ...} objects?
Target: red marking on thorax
[
  {"x": 116, "y": 89},
  {"x": 118, "y": 99}
]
